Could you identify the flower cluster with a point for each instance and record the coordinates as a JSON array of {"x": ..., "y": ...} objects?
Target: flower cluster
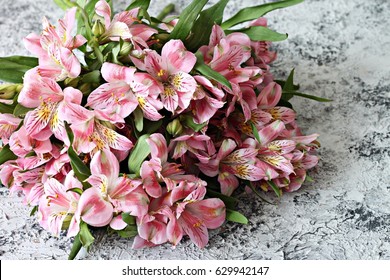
[{"x": 132, "y": 125}]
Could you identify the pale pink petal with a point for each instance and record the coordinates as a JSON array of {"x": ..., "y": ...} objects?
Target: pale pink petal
[
  {"x": 269, "y": 96},
  {"x": 154, "y": 65},
  {"x": 113, "y": 73},
  {"x": 270, "y": 132},
  {"x": 228, "y": 146},
  {"x": 33, "y": 44},
  {"x": 194, "y": 228},
  {"x": 93, "y": 209},
  {"x": 158, "y": 147},
  {"x": 136, "y": 202},
  {"x": 117, "y": 223},
  {"x": 228, "y": 183},
  {"x": 104, "y": 162},
  {"x": 170, "y": 98},
  {"x": 279, "y": 162},
  {"x": 104, "y": 10},
  {"x": 211, "y": 211},
  {"x": 154, "y": 231},
  {"x": 177, "y": 57},
  {"x": 150, "y": 183},
  {"x": 140, "y": 243},
  {"x": 70, "y": 62},
  {"x": 284, "y": 114}
]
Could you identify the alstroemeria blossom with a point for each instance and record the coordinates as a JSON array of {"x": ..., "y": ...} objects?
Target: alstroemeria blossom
[
  {"x": 125, "y": 194},
  {"x": 59, "y": 203},
  {"x": 171, "y": 70},
  {"x": 54, "y": 48}
]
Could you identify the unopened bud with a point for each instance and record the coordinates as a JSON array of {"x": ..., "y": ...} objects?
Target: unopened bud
[
  {"x": 126, "y": 48},
  {"x": 8, "y": 91},
  {"x": 98, "y": 28},
  {"x": 72, "y": 82},
  {"x": 86, "y": 88},
  {"x": 175, "y": 128}
]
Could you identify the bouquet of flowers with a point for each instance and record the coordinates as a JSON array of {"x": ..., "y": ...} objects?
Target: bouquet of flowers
[{"x": 149, "y": 126}]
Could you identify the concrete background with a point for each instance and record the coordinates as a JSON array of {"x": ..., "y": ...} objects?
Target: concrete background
[{"x": 340, "y": 49}]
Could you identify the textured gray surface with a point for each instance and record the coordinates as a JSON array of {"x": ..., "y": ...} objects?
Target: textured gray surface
[{"x": 340, "y": 51}]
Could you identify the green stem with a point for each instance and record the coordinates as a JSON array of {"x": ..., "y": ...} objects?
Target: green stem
[{"x": 166, "y": 11}]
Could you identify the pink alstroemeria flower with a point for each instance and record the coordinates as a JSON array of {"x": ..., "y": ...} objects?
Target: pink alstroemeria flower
[
  {"x": 158, "y": 169},
  {"x": 171, "y": 71},
  {"x": 193, "y": 216},
  {"x": 90, "y": 135},
  {"x": 54, "y": 48},
  {"x": 58, "y": 204},
  {"x": 125, "y": 26},
  {"x": 203, "y": 105},
  {"x": 48, "y": 99},
  {"x": 124, "y": 92},
  {"x": 125, "y": 194},
  {"x": 230, "y": 163},
  {"x": 8, "y": 124}
]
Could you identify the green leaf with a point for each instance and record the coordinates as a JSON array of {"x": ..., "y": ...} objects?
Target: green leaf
[
  {"x": 86, "y": 238},
  {"x": 251, "y": 13},
  {"x": 282, "y": 83},
  {"x": 89, "y": 8},
  {"x": 206, "y": 71},
  {"x": 143, "y": 4},
  {"x": 188, "y": 121},
  {"x": 20, "y": 111},
  {"x": 34, "y": 210},
  {"x": 275, "y": 188},
  {"x": 91, "y": 77},
  {"x": 229, "y": 201},
  {"x": 138, "y": 119},
  {"x": 235, "y": 216},
  {"x": 76, "y": 247},
  {"x": 76, "y": 190},
  {"x": 6, "y": 108},
  {"x": 284, "y": 103},
  {"x": 187, "y": 19},
  {"x": 13, "y": 68},
  {"x": 151, "y": 127},
  {"x": 261, "y": 33},
  {"x": 81, "y": 171},
  {"x": 127, "y": 232},
  {"x": 6, "y": 154},
  {"x": 201, "y": 31},
  {"x": 308, "y": 96},
  {"x": 255, "y": 132},
  {"x": 128, "y": 219},
  {"x": 288, "y": 86},
  {"x": 63, "y": 4},
  {"x": 139, "y": 154},
  {"x": 166, "y": 11}
]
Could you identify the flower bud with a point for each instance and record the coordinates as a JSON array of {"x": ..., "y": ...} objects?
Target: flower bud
[
  {"x": 98, "y": 28},
  {"x": 8, "y": 91},
  {"x": 175, "y": 128},
  {"x": 86, "y": 88},
  {"x": 126, "y": 48},
  {"x": 72, "y": 82}
]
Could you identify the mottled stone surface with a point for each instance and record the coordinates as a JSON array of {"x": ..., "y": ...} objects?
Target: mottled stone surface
[{"x": 339, "y": 49}]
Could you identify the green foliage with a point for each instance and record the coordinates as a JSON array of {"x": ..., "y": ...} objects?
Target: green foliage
[
  {"x": 187, "y": 19},
  {"x": 261, "y": 33},
  {"x": 206, "y": 71},
  {"x": 6, "y": 154},
  {"x": 201, "y": 31},
  {"x": 13, "y": 68},
  {"x": 139, "y": 154},
  {"x": 235, "y": 216},
  {"x": 251, "y": 13}
]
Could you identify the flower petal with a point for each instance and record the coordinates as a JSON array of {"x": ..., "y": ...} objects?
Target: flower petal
[
  {"x": 212, "y": 211},
  {"x": 115, "y": 73},
  {"x": 177, "y": 57},
  {"x": 195, "y": 228}
]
